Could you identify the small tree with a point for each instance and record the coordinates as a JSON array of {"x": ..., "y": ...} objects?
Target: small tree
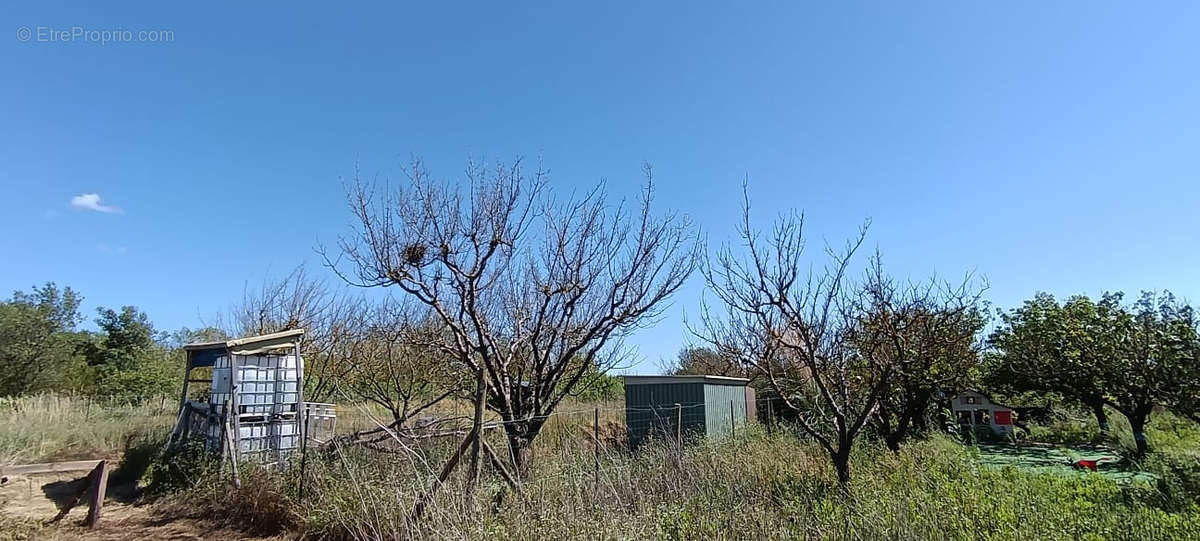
[
  {"x": 334, "y": 322},
  {"x": 395, "y": 367},
  {"x": 927, "y": 334},
  {"x": 531, "y": 294},
  {"x": 1155, "y": 358},
  {"x": 798, "y": 329},
  {"x": 130, "y": 359},
  {"x": 1051, "y": 348}
]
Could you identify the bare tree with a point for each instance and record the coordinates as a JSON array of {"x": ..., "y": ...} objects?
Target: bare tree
[
  {"x": 331, "y": 317},
  {"x": 396, "y": 368},
  {"x": 798, "y": 327},
  {"x": 531, "y": 293},
  {"x": 927, "y": 334}
]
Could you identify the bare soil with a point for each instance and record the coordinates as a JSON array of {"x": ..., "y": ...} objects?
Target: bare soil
[{"x": 27, "y": 503}]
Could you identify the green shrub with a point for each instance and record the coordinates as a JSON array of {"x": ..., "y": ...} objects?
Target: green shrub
[
  {"x": 1178, "y": 474},
  {"x": 183, "y": 467}
]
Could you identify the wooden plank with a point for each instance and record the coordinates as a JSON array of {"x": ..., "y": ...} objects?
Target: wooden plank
[
  {"x": 89, "y": 486},
  {"x": 51, "y": 467},
  {"x": 233, "y": 448},
  {"x": 96, "y": 494}
]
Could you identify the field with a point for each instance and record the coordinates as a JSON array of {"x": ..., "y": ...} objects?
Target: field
[{"x": 758, "y": 485}]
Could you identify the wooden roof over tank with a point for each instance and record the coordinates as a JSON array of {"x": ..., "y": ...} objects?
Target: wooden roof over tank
[{"x": 204, "y": 353}]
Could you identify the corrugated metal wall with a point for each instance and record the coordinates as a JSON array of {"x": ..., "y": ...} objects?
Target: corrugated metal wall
[
  {"x": 721, "y": 402},
  {"x": 707, "y": 409},
  {"x": 650, "y": 410}
]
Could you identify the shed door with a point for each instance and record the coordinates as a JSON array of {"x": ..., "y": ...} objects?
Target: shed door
[{"x": 1003, "y": 417}]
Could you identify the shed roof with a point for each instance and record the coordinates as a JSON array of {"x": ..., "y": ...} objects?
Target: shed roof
[
  {"x": 983, "y": 394},
  {"x": 204, "y": 353},
  {"x": 711, "y": 380}
]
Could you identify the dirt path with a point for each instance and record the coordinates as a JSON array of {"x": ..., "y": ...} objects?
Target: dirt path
[{"x": 28, "y": 501}]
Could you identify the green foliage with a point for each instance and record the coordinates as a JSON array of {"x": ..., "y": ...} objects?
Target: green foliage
[
  {"x": 597, "y": 386},
  {"x": 129, "y": 363},
  {"x": 1105, "y": 353},
  {"x": 1065, "y": 427},
  {"x": 1048, "y": 347},
  {"x": 694, "y": 360},
  {"x": 37, "y": 339},
  {"x": 181, "y": 468},
  {"x": 1178, "y": 471},
  {"x": 41, "y": 350}
]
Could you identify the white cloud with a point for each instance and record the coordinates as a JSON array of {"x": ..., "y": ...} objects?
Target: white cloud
[
  {"x": 91, "y": 201},
  {"x": 118, "y": 250}
]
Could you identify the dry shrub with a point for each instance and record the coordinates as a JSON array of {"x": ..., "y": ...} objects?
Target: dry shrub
[{"x": 264, "y": 505}]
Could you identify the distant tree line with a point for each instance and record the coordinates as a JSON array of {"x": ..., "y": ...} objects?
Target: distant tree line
[
  {"x": 1106, "y": 353},
  {"x": 42, "y": 348}
]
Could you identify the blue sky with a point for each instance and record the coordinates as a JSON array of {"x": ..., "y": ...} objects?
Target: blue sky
[{"x": 1047, "y": 146}]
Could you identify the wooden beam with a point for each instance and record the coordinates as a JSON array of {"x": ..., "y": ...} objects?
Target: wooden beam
[
  {"x": 51, "y": 467},
  {"x": 94, "y": 486},
  {"x": 96, "y": 494}
]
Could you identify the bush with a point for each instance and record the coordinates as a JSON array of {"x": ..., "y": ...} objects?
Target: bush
[
  {"x": 181, "y": 468},
  {"x": 1066, "y": 428},
  {"x": 1178, "y": 474}
]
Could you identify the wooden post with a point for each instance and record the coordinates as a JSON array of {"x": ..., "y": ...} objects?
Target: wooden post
[
  {"x": 596, "y": 454},
  {"x": 770, "y": 417},
  {"x": 477, "y": 432},
  {"x": 96, "y": 494},
  {"x": 187, "y": 376},
  {"x": 679, "y": 424},
  {"x": 232, "y": 423},
  {"x": 732, "y": 421},
  {"x": 300, "y": 390},
  {"x": 303, "y": 456},
  {"x": 233, "y": 450},
  {"x": 94, "y": 487}
]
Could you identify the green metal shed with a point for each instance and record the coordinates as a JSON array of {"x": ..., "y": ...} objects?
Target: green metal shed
[{"x": 702, "y": 405}]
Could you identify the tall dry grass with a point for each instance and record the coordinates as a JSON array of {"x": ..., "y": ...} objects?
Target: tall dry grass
[
  {"x": 753, "y": 486},
  {"x": 50, "y": 427}
]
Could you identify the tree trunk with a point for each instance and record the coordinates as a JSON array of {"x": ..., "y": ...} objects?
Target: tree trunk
[
  {"x": 477, "y": 428},
  {"x": 520, "y": 438},
  {"x": 1137, "y": 422},
  {"x": 893, "y": 440},
  {"x": 841, "y": 463},
  {"x": 1101, "y": 417}
]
